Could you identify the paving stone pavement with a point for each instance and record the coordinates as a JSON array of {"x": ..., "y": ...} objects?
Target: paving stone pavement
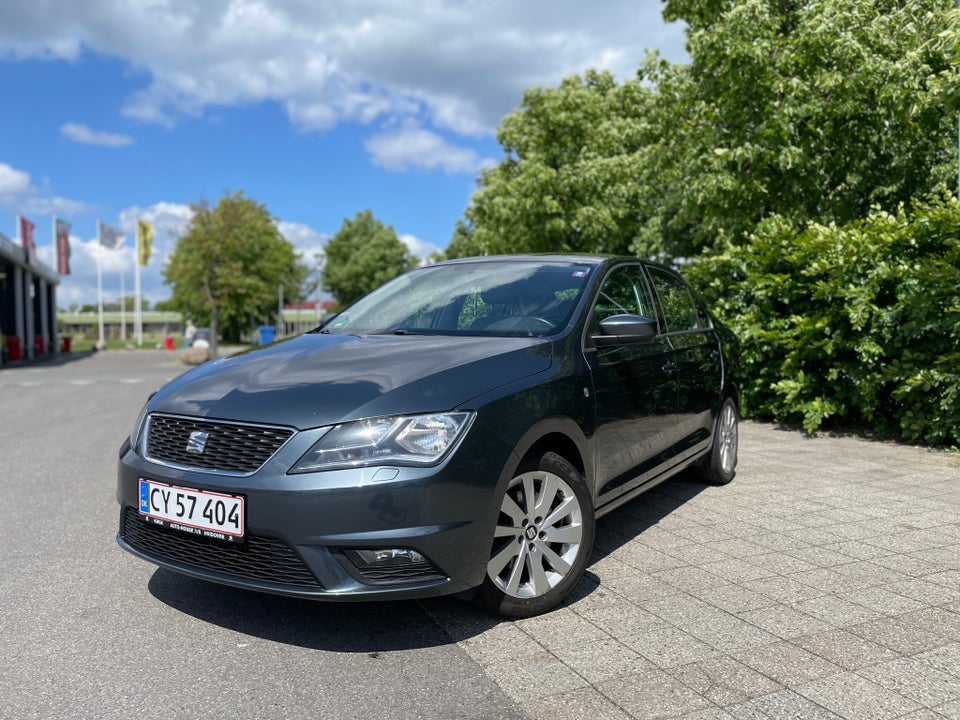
[{"x": 823, "y": 582}]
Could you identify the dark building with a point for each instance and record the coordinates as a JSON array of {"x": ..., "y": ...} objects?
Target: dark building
[{"x": 28, "y": 305}]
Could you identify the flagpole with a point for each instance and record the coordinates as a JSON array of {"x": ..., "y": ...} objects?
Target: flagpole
[
  {"x": 137, "y": 306},
  {"x": 100, "y": 284},
  {"x": 56, "y": 247},
  {"x": 123, "y": 306},
  {"x": 56, "y": 263}
]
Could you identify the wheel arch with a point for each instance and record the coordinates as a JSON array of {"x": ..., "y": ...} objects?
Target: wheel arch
[
  {"x": 731, "y": 390},
  {"x": 560, "y": 444},
  {"x": 558, "y": 435}
]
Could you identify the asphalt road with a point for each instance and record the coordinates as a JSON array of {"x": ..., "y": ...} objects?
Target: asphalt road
[
  {"x": 823, "y": 583},
  {"x": 88, "y": 631}
]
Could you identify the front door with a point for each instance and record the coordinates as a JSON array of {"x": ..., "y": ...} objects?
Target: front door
[{"x": 634, "y": 388}]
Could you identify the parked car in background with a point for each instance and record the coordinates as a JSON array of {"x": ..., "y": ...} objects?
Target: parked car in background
[{"x": 458, "y": 430}]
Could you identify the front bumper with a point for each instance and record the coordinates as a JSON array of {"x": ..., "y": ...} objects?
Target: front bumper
[{"x": 300, "y": 528}]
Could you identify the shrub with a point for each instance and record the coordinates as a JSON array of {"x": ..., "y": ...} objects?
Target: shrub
[{"x": 857, "y": 325}]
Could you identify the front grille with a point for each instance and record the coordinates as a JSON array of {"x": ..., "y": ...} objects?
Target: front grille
[
  {"x": 257, "y": 558},
  {"x": 227, "y": 447}
]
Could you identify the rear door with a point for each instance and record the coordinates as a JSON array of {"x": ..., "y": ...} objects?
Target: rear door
[{"x": 696, "y": 357}]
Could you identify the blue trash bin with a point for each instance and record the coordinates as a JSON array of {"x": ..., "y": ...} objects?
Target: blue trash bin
[{"x": 267, "y": 334}]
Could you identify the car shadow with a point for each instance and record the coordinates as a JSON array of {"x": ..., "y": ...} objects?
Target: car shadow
[
  {"x": 377, "y": 627},
  {"x": 629, "y": 522},
  {"x": 329, "y": 626}
]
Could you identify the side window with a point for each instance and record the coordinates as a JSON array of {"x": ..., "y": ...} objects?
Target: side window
[
  {"x": 678, "y": 308},
  {"x": 623, "y": 292}
]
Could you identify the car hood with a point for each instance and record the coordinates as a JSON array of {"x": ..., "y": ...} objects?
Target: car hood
[{"x": 319, "y": 379}]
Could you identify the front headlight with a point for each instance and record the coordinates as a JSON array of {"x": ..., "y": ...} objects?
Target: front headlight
[{"x": 394, "y": 440}]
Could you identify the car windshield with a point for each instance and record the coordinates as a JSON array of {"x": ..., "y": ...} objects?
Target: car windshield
[{"x": 498, "y": 298}]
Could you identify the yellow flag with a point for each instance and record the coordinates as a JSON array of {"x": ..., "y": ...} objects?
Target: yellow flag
[{"x": 144, "y": 241}]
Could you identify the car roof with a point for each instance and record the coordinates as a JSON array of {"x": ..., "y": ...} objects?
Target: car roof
[{"x": 583, "y": 259}]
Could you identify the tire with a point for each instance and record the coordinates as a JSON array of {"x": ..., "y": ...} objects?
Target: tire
[
  {"x": 720, "y": 466},
  {"x": 540, "y": 549}
]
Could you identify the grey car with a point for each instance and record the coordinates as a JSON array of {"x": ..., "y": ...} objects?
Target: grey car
[{"x": 456, "y": 431}]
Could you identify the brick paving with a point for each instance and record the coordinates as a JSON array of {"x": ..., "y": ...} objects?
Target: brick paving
[{"x": 823, "y": 582}]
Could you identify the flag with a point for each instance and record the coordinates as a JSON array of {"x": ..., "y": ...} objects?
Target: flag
[
  {"x": 63, "y": 247},
  {"x": 110, "y": 237},
  {"x": 26, "y": 237},
  {"x": 144, "y": 241}
]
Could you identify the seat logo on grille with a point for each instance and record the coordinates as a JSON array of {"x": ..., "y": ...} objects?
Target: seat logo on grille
[{"x": 197, "y": 442}]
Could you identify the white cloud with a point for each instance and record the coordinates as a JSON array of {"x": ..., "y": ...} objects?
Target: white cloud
[
  {"x": 308, "y": 243},
  {"x": 412, "y": 146},
  {"x": 82, "y": 134},
  {"x": 453, "y": 66},
  {"x": 421, "y": 248},
  {"x": 13, "y": 181},
  {"x": 19, "y": 194}
]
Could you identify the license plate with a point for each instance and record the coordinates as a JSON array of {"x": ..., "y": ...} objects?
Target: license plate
[{"x": 199, "y": 512}]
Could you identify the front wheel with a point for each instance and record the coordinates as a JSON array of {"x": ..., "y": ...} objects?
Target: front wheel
[
  {"x": 542, "y": 541},
  {"x": 719, "y": 467}
]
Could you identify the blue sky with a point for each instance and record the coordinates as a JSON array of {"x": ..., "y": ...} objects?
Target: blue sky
[{"x": 117, "y": 110}]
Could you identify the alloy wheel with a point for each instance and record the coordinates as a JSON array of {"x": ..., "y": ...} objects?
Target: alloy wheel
[
  {"x": 728, "y": 439},
  {"x": 538, "y": 536}
]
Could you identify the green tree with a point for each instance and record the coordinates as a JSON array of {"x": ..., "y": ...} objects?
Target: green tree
[
  {"x": 462, "y": 244},
  {"x": 812, "y": 112},
  {"x": 363, "y": 255},
  {"x": 227, "y": 269},
  {"x": 856, "y": 324},
  {"x": 571, "y": 178}
]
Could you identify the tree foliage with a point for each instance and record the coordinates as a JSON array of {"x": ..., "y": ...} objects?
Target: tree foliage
[
  {"x": 857, "y": 325},
  {"x": 812, "y": 112},
  {"x": 570, "y": 181},
  {"x": 363, "y": 255},
  {"x": 227, "y": 269}
]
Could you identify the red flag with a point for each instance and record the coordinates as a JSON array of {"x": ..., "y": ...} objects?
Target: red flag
[
  {"x": 63, "y": 247},
  {"x": 26, "y": 237}
]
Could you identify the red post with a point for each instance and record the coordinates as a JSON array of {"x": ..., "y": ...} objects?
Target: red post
[{"x": 14, "y": 348}]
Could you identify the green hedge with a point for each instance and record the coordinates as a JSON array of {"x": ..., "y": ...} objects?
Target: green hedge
[{"x": 857, "y": 326}]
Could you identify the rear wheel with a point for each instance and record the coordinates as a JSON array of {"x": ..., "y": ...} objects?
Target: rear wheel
[
  {"x": 720, "y": 466},
  {"x": 542, "y": 541}
]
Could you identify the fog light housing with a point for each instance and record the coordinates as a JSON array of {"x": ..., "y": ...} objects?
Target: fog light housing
[
  {"x": 386, "y": 557},
  {"x": 390, "y": 566}
]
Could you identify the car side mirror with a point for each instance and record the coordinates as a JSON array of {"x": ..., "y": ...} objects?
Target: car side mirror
[{"x": 624, "y": 330}]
